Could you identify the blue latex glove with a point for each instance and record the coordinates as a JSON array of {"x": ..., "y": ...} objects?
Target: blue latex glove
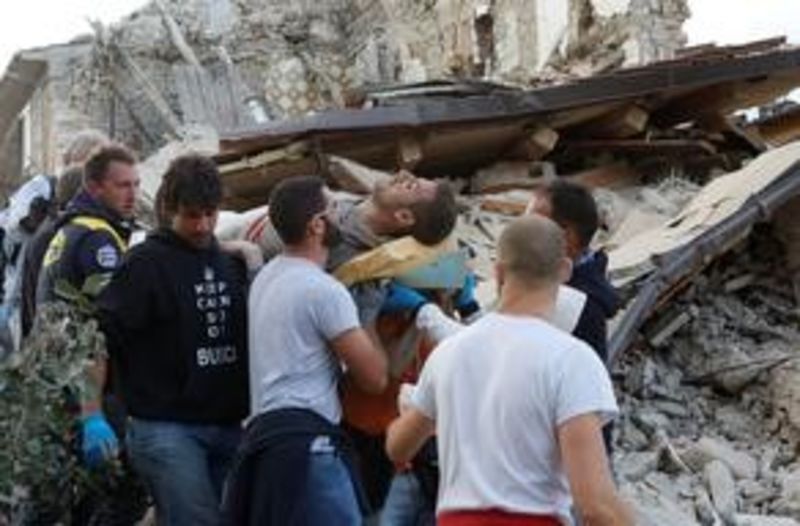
[
  {"x": 465, "y": 302},
  {"x": 99, "y": 441},
  {"x": 400, "y": 298}
]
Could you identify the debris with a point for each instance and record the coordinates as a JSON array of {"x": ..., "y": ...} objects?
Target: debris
[
  {"x": 723, "y": 489},
  {"x": 668, "y": 325}
]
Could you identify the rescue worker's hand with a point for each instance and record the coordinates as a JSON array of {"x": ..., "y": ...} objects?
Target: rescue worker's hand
[
  {"x": 402, "y": 299},
  {"x": 465, "y": 302},
  {"x": 99, "y": 441}
]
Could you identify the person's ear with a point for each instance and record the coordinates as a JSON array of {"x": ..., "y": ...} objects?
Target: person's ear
[
  {"x": 499, "y": 275},
  {"x": 564, "y": 270},
  {"x": 573, "y": 243},
  {"x": 404, "y": 217},
  {"x": 316, "y": 227}
]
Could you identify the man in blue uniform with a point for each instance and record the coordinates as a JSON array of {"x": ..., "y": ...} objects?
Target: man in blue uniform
[{"x": 90, "y": 240}]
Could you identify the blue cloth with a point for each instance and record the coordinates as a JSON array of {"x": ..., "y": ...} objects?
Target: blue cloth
[
  {"x": 400, "y": 298},
  {"x": 330, "y": 495},
  {"x": 98, "y": 441},
  {"x": 405, "y": 504},
  {"x": 184, "y": 466}
]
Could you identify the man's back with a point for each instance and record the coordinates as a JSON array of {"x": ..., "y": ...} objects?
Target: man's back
[
  {"x": 498, "y": 390},
  {"x": 295, "y": 308}
]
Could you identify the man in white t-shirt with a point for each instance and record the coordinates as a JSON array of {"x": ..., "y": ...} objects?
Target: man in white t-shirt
[
  {"x": 303, "y": 324},
  {"x": 517, "y": 405}
]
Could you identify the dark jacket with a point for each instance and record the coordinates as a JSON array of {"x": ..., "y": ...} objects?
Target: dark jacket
[
  {"x": 32, "y": 266},
  {"x": 602, "y": 302},
  {"x": 267, "y": 481},
  {"x": 88, "y": 243},
  {"x": 175, "y": 323}
]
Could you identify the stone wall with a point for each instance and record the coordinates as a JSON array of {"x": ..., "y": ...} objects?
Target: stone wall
[{"x": 257, "y": 59}]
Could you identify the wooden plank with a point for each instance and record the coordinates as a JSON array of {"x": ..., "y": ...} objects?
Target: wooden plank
[
  {"x": 645, "y": 147},
  {"x": 538, "y": 143},
  {"x": 621, "y": 123}
]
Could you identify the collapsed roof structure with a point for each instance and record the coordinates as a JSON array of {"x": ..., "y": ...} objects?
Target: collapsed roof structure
[{"x": 678, "y": 109}]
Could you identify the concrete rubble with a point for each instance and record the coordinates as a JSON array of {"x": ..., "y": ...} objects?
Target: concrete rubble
[{"x": 718, "y": 395}]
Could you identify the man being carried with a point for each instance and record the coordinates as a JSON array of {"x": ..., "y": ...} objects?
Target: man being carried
[
  {"x": 303, "y": 324},
  {"x": 518, "y": 418}
]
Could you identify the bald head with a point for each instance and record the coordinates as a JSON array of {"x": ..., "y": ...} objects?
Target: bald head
[{"x": 531, "y": 250}]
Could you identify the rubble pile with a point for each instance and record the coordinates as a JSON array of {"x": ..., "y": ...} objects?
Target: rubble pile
[{"x": 708, "y": 432}]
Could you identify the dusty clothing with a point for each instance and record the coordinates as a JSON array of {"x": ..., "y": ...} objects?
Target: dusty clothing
[
  {"x": 295, "y": 310},
  {"x": 497, "y": 403},
  {"x": 357, "y": 238},
  {"x": 32, "y": 266},
  {"x": 175, "y": 319},
  {"x": 89, "y": 242}
]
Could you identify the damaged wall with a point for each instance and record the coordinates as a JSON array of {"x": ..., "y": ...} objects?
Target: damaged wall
[{"x": 234, "y": 63}]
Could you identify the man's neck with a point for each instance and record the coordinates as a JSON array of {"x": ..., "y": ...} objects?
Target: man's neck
[
  {"x": 314, "y": 253},
  {"x": 520, "y": 300},
  {"x": 377, "y": 220}
]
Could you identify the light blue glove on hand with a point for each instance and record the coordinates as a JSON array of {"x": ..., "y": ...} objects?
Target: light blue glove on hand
[
  {"x": 402, "y": 299},
  {"x": 99, "y": 441}
]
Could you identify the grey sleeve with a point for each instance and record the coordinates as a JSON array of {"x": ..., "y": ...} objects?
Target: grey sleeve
[
  {"x": 369, "y": 297},
  {"x": 334, "y": 311}
]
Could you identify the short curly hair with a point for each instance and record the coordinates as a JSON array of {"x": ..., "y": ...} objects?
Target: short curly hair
[{"x": 191, "y": 181}]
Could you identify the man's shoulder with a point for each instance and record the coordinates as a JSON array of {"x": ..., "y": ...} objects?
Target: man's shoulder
[{"x": 296, "y": 274}]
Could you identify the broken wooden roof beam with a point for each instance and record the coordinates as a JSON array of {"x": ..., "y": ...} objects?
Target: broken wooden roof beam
[{"x": 673, "y": 268}]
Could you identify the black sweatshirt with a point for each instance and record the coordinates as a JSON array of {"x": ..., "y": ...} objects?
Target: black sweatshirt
[
  {"x": 602, "y": 302},
  {"x": 175, "y": 321}
]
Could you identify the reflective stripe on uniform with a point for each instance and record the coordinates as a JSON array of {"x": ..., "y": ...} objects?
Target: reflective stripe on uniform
[{"x": 56, "y": 247}]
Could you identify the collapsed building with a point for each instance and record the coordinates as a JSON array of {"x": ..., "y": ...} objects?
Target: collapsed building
[
  {"x": 699, "y": 202},
  {"x": 174, "y": 66}
]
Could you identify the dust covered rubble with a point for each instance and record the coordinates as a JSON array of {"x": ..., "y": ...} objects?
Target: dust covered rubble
[{"x": 711, "y": 414}]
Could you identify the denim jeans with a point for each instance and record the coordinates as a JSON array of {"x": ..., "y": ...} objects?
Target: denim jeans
[
  {"x": 331, "y": 498},
  {"x": 184, "y": 466},
  {"x": 405, "y": 504}
]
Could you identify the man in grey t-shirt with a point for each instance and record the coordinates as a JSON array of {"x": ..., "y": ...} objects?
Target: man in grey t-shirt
[{"x": 303, "y": 324}]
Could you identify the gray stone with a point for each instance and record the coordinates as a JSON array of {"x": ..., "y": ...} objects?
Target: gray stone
[
  {"x": 707, "y": 449},
  {"x": 650, "y": 421},
  {"x": 705, "y": 510},
  {"x": 722, "y": 488},
  {"x": 764, "y": 520},
  {"x": 672, "y": 409},
  {"x": 635, "y": 466}
]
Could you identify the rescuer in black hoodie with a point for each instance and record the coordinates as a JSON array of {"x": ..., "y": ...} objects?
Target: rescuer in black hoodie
[{"x": 175, "y": 318}]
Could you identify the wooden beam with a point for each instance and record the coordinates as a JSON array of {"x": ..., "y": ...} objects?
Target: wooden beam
[
  {"x": 538, "y": 143},
  {"x": 621, "y": 123},
  {"x": 176, "y": 36},
  {"x": 607, "y": 176},
  {"x": 517, "y": 175},
  {"x": 644, "y": 147}
]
